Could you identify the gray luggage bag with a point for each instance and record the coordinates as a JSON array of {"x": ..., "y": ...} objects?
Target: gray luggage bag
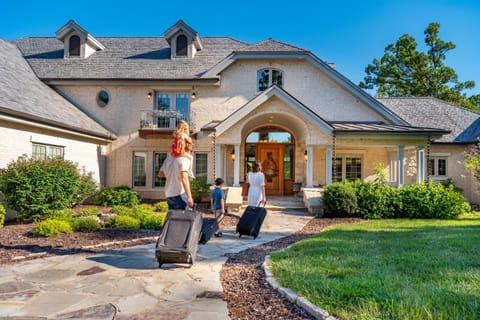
[{"x": 178, "y": 241}]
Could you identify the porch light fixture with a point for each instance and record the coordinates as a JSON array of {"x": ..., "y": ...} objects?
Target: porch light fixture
[
  {"x": 193, "y": 96},
  {"x": 305, "y": 155},
  {"x": 232, "y": 155},
  {"x": 149, "y": 96}
]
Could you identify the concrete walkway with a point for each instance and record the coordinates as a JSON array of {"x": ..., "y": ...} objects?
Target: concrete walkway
[{"x": 127, "y": 283}]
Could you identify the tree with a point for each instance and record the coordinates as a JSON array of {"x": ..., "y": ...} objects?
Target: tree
[{"x": 403, "y": 71}]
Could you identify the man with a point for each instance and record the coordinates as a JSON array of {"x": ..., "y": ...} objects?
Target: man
[{"x": 177, "y": 185}]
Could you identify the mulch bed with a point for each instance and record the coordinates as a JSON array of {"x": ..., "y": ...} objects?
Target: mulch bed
[{"x": 246, "y": 291}]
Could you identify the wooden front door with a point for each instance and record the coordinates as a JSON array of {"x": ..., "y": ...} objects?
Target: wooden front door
[{"x": 271, "y": 158}]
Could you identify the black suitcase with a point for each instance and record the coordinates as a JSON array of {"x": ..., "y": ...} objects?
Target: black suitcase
[
  {"x": 209, "y": 226},
  {"x": 178, "y": 241},
  {"x": 251, "y": 221}
]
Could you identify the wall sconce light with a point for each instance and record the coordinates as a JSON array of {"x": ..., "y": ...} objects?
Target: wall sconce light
[
  {"x": 194, "y": 95},
  {"x": 232, "y": 155},
  {"x": 305, "y": 155},
  {"x": 149, "y": 96}
]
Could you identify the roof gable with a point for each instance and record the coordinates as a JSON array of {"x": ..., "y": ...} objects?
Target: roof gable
[
  {"x": 182, "y": 27},
  {"x": 257, "y": 101},
  {"x": 72, "y": 26}
]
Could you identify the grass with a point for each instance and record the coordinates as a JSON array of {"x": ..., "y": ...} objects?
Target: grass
[{"x": 389, "y": 269}]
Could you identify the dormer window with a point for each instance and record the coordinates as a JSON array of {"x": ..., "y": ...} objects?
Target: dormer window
[
  {"x": 78, "y": 43},
  {"x": 268, "y": 77},
  {"x": 182, "y": 48},
  {"x": 74, "y": 46}
]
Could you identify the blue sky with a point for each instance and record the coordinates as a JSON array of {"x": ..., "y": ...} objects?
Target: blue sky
[{"x": 349, "y": 33}]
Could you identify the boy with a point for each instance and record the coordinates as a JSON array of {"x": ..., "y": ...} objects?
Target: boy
[{"x": 217, "y": 201}]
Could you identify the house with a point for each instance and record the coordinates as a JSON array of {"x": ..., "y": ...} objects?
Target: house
[
  {"x": 445, "y": 154},
  {"x": 271, "y": 101}
]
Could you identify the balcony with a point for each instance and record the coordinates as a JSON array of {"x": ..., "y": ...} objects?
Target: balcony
[{"x": 158, "y": 123}]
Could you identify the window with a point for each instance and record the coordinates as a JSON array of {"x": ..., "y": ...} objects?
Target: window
[
  {"x": 74, "y": 46},
  {"x": 158, "y": 158},
  {"x": 182, "y": 49},
  {"x": 268, "y": 77},
  {"x": 102, "y": 98},
  {"x": 44, "y": 151},
  {"x": 347, "y": 168},
  {"x": 201, "y": 164},
  {"x": 437, "y": 167},
  {"x": 139, "y": 169},
  {"x": 170, "y": 108}
]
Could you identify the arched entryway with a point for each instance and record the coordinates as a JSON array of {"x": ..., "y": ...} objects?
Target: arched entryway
[{"x": 275, "y": 148}]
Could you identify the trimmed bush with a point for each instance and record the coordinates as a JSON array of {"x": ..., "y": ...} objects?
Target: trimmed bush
[
  {"x": 154, "y": 221},
  {"x": 63, "y": 214},
  {"x": 3, "y": 212},
  {"x": 119, "y": 195},
  {"x": 124, "y": 222},
  {"x": 88, "y": 212},
  {"x": 200, "y": 189},
  {"x": 121, "y": 210},
  {"x": 35, "y": 188},
  {"x": 431, "y": 200},
  {"x": 376, "y": 200},
  {"x": 51, "y": 228},
  {"x": 340, "y": 198},
  {"x": 161, "y": 206},
  {"x": 85, "y": 224}
]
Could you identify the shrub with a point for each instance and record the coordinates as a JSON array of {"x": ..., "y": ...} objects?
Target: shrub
[
  {"x": 85, "y": 224},
  {"x": 3, "y": 212},
  {"x": 340, "y": 198},
  {"x": 51, "y": 228},
  {"x": 430, "y": 200},
  {"x": 62, "y": 214},
  {"x": 200, "y": 189},
  {"x": 124, "y": 222},
  {"x": 87, "y": 187},
  {"x": 153, "y": 221},
  {"x": 161, "y": 206},
  {"x": 376, "y": 200},
  {"x": 121, "y": 210},
  {"x": 119, "y": 195},
  {"x": 93, "y": 211},
  {"x": 34, "y": 188}
]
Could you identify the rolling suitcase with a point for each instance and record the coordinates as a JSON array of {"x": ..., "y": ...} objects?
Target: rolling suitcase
[
  {"x": 209, "y": 226},
  {"x": 251, "y": 221},
  {"x": 178, "y": 241}
]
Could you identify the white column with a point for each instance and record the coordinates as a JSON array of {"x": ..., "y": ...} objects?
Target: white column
[
  {"x": 328, "y": 166},
  {"x": 309, "y": 167},
  {"x": 218, "y": 161},
  {"x": 236, "y": 166},
  {"x": 421, "y": 164},
  {"x": 401, "y": 161}
]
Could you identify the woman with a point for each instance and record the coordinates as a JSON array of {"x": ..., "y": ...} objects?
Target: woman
[{"x": 256, "y": 179}]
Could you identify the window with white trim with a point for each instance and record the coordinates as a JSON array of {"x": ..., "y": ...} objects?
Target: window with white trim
[
  {"x": 170, "y": 108},
  {"x": 347, "y": 168},
  {"x": 201, "y": 164},
  {"x": 268, "y": 77},
  {"x": 139, "y": 173},
  {"x": 42, "y": 151},
  {"x": 158, "y": 159},
  {"x": 437, "y": 167}
]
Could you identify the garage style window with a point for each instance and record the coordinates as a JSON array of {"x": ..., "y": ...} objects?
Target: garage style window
[
  {"x": 347, "y": 168},
  {"x": 437, "y": 167},
  {"x": 43, "y": 151},
  {"x": 268, "y": 77},
  {"x": 158, "y": 158},
  {"x": 139, "y": 169},
  {"x": 201, "y": 164}
]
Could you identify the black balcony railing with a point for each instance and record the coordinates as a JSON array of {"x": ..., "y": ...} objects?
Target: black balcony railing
[{"x": 161, "y": 119}]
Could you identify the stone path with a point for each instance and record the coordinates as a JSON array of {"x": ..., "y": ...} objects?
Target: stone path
[{"x": 127, "y": 283}]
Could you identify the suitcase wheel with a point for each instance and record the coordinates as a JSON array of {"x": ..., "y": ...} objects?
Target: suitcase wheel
[{"x": 160, "y": 264}]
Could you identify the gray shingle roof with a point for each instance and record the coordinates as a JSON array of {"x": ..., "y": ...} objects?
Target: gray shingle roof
[
  {"x": 270, "y": 45},
  {"x": 124, "y": 58},
  {"x": 464, "y": 124},
  {"x": 23, "y": 95},
  {"x": 379, "y": 127}
]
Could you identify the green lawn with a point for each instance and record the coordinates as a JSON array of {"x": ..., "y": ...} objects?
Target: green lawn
[{"x": 389, "y": 269}]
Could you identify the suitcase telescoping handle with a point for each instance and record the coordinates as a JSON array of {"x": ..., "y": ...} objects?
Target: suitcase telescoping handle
[{"x": 264, "y": 203}]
